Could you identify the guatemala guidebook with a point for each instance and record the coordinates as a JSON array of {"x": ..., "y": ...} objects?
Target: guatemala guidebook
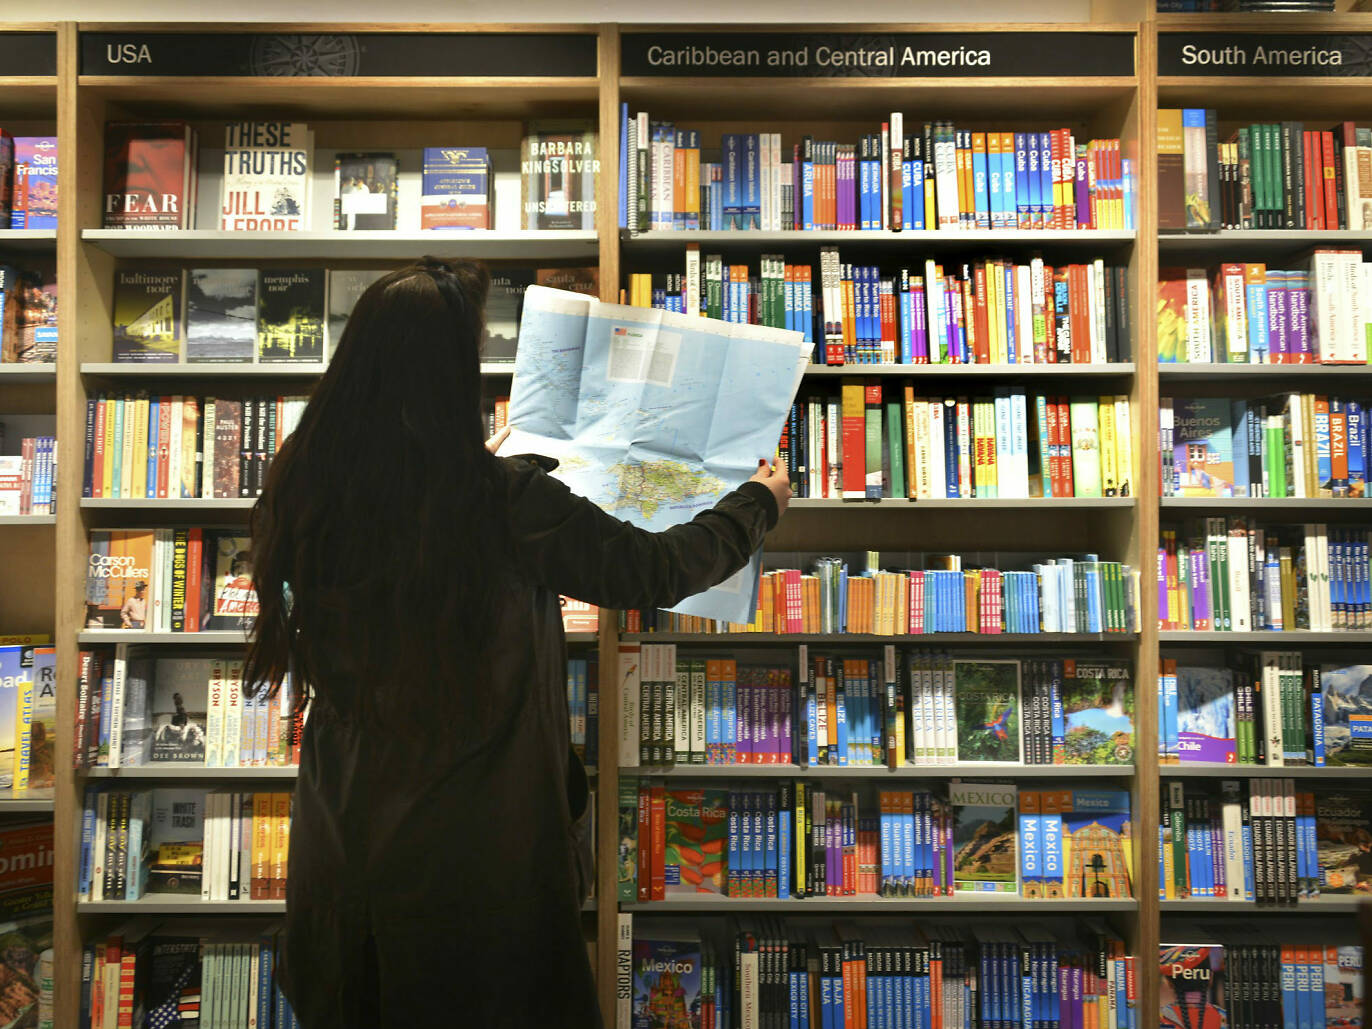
[{"x": 653, "y": 415}]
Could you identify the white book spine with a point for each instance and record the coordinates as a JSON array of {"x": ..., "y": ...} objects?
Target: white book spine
[
  {"x": 1019, "y": 445},
  {"x": 102, "y": 812},
  {"x": 207, "y": 847},
  {"x": 624, "y": 971},
  {"x": 1239, "y": 599},
  {"x": 116, "y": 712},
  {"x": 1197, "y": 313},
  {"x": 748, "y": 964},
  {"x": 938, "y": 451},
  {"x": 214, "y": 717},
  {"x": 1322, "y": 548},
  {"x": 1356, "y": 301},
  {"x": 1271, "y": 708},
  {"x": 233, "y": 715},
  {"x": 1024, "y": 314},
  {"x": 947, "y": 718},
  {"x": 693, "y": 280},
  {"x": 1096, "y": 279}
]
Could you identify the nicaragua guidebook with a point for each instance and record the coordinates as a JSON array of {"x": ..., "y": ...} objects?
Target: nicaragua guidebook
[{"x": 653, "y": 415}]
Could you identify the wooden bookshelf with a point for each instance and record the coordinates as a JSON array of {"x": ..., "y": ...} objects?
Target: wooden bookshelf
[{"x": 404, "y": 111}]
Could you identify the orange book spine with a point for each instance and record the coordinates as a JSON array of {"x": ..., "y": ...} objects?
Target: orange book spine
[
  {"x": 260, "y": 888},
  {"x": 281, "y": 843}
]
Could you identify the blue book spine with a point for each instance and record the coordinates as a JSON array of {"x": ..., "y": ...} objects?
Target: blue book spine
[
  {"x": 1317, "y": 727},
  {"x": 917, "y": 212},
  {"x": 984, "y": 189},
  {"x": 826, "y": 1001},
  {"x": 770, "y": 857},
  {"x": 906, "y": 321},
  {"x": 796, "y": 1011},
  {"x": 1032, "y": 189},
  {"x": 713, "y": 709},
  {"x": 728, "y": 719},
  {"x": 1009, "y": 196},
  {"x": 887, "y": 847},
  {"x": 1050, "y": 860},
  {"x": 1257, "y": 322},
  {"x": 807, "y": 195},
  {"x": 1247, "y": 836},
  {"x": 1055, "y": 700},
  {"x": 1031, "y": 843},
  {"x": 731, "y": 157},
  {"x": 1021, "y": 192},
  {"x": 908, "y": 857},
  {"x": 784, "y": 853},
  {"x": 1240, "y": 414},
  {"x": 873, "y": 1000},
  {"x": 907, "y": 194},
  {"x": 1312, "y": 854},
  {"x": 264, "y": 983},
  {"x": 752, "y": 195},
  {"x": 87, "y": 842},
  {"x": 897, "y": 861},
  {"x": 811, "y": 733},
  {"x": 154, "y": 442},
  {"x": 864, "y": 194},
  {"x": 1046, "y": 176},
  {"x": 950, "y": 451},
  {"x": 1290, "y": 1001},
  {"x": 1357, "y": 467},
  {"x": 841, "y": 729}
]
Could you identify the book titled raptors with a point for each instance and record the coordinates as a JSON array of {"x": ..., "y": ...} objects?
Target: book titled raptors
[
  {"x": 559, "y": 167},
  {"x": 266, "y": 183},
  {"x": 150, "y": 175}
]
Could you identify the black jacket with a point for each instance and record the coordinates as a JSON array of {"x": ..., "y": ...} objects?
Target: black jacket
[{"x": 444, "y": 887}]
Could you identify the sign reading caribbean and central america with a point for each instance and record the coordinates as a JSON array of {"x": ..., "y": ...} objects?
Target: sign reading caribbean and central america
[{"x": 912, "y": 55}]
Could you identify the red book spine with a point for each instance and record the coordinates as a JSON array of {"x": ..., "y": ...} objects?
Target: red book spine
[
  {"x": 982, "y": 353},
  {"x": 98, "y": 466},
  {"x": 854, "y": 441},
  {"x": 1065, "y": 446},
  {"x": 1329, "y": 174},
  {"x": 195, "y": 547},
  {"x": 645, "y": 843},
  {"x": 888, "y": 318},
  {"x": 1050, "y": 339},
  {"x": 1312, "y": 213},
  {"x": 164, "y": 406},
  {"x": 1080, "y": 314},
  {"x": 659, "y": 831}
]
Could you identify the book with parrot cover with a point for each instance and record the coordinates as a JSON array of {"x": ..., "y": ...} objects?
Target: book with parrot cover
[
  {"x": 986, "y": 701},
  {"x": 696, "y": 825}
]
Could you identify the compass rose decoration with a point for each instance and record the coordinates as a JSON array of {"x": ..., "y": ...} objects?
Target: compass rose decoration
[{"x": 305, "y": 56}]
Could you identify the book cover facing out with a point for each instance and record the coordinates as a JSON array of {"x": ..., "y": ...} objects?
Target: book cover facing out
[
  {"x": 1343, "y": 827},
  {"x": 180, "y": 689},
  {"x": 697, "y": 828},
  {"x": 984, "y": 837},
  {"x": 1202, "y": 447},
  {"x": 1097, "y": 844},
  {"x": 146, "y": 170},
  {"x": 16, "y": 667},
  {"x": 234, "y": 600},
  {"x": 1205, "y": 716},
  {"x": 35, "y": 183},
  {"x": 666, "y": 986},
  {"x": 221, "y": 315},
  {"x": 176, "y": 838},
  {"x": 290, "y": 315},
  {"x": 148, "y": 320},
  {"x": 986, "y": 699},
  {"x": 1098, "y": 709},
  {"x": 345, "y": 286},
  {"x": 364, "y": 191},
  {"x": 1346, "y": 702},
  {"x": 455, "y": 190},
  {"x": 1191, "y": 986},
  {"x": 118, "y": 579}
]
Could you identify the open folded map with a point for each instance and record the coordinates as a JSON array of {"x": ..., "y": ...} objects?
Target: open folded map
[{"x": 653, "y": 415}]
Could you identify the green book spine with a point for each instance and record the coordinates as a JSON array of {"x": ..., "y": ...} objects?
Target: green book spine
[
  {"x": 1177, "y": 817},
  {"x": 628, "y": 839},
  {"x": 895, "y": 442}
]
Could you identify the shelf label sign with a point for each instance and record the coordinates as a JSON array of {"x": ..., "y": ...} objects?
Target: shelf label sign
[
  {"x": 1264, "y": 55},
  {"x": 28, "y": 53},
  {"x": 339, "y": 54},
  {"x": 876, "y": 55}
]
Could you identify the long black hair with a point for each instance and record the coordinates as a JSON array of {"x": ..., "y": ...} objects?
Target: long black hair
[{"x": 378, "y": 540}]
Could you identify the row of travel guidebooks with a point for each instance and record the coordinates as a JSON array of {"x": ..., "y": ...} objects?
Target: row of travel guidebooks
[
  {"x": 991, "y": 311},
  {"x": 760, "y": 971},
  {"x": 169, "y": 580},
  {"x": 896, "y": 709},
  {"x": 1320, "y": 313},
  {"x": 28, "y": 714},
  {"x": 934, "y": 177},
  {"x": 1079, "y": 594},
  {"x": 142, "y": 446},
  {"x": 28, "y": 181},
  {"x": 135, "y": 708},
  {"x": 1292, "y": 445},
  {"x": 1221, "y": 574},
  {"x": 1264, "y": 708},
  {"x": 160, "y": 975},
  {"x": 1269, "y": 973},
  {"x": 215, "y": 845},
  {"x": 870, "y": 439},
  {"x": 152, "y": 176},
  {"x": 1267, "y": 175},
  {"x": 28, "y": 478},
  {"x": 797, "y": 840},
  {"x": 1262, "y": 841},
  {"x": 28, "y": 313}
]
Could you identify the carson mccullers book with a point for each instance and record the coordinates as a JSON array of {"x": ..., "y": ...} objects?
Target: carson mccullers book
[{"x": 559, "y": 165}]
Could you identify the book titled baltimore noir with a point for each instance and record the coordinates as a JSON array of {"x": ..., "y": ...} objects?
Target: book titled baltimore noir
[
  {"x": 150, "y": 175},
  {"x": 221, "y": 315},
  {"x": 266, "y": 183},
  {"x": 148, "y": 322},
  {"x": 559, "y": 165},
  {"x": 290, "y": 315},
  {"x": 364, "y": 191}
]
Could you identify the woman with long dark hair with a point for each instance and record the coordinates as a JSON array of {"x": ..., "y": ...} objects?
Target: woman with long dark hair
[{"x": 408, "y": 579}]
